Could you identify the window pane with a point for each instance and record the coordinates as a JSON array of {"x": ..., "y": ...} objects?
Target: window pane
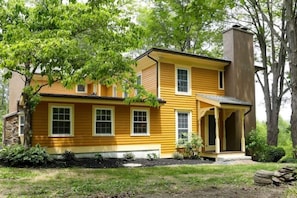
[
  {"x": 61, "y": 121},
  {"x": 140, "y": 122},
  {"x": 182, "y": 80},
  {"x": 221, "y": 80},
  {"x": 182, "y": 125},
  {"x": 103, "y": 121},
  {"x": 81, "y": 88}
]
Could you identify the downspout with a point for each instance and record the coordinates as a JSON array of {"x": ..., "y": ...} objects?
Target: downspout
[
  {"x": 157, "y": 72},
  {"x": 250, "y": 109}
]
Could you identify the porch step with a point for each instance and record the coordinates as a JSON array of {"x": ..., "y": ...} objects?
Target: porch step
[{"x": 234, "y": 160}]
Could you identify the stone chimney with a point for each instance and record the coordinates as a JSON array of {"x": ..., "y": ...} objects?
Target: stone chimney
[{"x": 239, "y": 76}]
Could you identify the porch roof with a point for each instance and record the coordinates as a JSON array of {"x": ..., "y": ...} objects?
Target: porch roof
[{"x": 222, "y": 101}]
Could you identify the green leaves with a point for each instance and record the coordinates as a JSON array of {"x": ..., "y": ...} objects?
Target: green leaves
[{"x": 184, "y": 25}]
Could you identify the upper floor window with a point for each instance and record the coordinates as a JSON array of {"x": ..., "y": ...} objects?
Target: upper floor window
[
  {"x": 103, "y": 120},
  {"x": 138, "y": 82},
  {"x": 140, "y": 122},
  {"x": 183, "y": 79},
  {"x": 114, "y": 91},
  {"x": 80, "y": 88},
  {"x": 21, "y": 124},
  {"x": 221, "y": 79},
  {"x": 61, "y": 120}
]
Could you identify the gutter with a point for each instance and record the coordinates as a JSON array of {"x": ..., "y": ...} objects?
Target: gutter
[{"x": 157, "y": 72}]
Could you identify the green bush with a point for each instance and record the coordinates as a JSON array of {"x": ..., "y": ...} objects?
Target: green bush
[
  {"x": 99, "y": 157},
  {"x": 129, "y": 156},
  {"x": 19, "y": 156},
  {"x": 192, "y": 147},
  {"x": 178, "y": 156},
  {"x": 256, "y": 145},
  {"x": 152, "y": 156},
  {"x": 274, "y": 154},
  {"x": 68, "y": 156}
]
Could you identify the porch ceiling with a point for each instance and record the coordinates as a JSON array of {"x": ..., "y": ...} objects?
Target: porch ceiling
[{"x": 224, "y": 102}]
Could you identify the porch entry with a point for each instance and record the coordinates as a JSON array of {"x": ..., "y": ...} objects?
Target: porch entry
[{"x": 215, "y": 110}]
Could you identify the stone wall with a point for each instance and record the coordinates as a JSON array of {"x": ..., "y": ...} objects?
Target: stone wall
[{"x": 11, "y": 132}]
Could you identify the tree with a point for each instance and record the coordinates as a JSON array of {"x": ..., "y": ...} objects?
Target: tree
[
  {"x": 67, "y": 43},
  {"x": 3, "y": 101},
  {"x": 290, "y": 7},
  {"x": 265, "y": 18},
  {"x": 3, "y": 96},
  {"x": 185, "y": 25}
]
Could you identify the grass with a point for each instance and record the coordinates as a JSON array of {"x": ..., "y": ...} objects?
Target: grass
[{"x": 76, "y": 182}]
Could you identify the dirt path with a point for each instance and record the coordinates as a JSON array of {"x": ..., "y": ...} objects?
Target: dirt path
[{"x": 226, "y": 192}]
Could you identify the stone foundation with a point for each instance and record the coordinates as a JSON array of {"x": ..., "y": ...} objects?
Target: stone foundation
[{"x": 11, "y": 130}]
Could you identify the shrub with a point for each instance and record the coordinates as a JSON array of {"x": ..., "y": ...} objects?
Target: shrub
[
  {"x": 274, "y": 154},
  {"x": 152, "y": 156},
  {"x": 178, "y": 156},
  {"x": 68, "y": 156},
  {"x": 192, "y": 147},
  {"x": 19, "y": 156},
  {"x": 99, "y": 157},
  {"x": 256, "y": 145},
  {"x": 129, "y": 156}
]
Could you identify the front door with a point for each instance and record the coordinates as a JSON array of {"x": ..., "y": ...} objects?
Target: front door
[{"x": 210, "y": 132}]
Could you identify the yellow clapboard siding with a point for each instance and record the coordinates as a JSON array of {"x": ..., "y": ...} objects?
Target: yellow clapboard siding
[
  {"x": 149, "y": 79},
  {"x": 162, "y": 119},
  {"x": 83, "y": 128}
]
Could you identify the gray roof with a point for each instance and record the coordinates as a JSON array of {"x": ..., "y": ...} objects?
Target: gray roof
[{"x": 225, "y": 99}]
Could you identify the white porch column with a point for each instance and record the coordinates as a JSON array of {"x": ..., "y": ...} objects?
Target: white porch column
[
  {"x": 242, "y": 132},
  {"x": 224, "y": 131},
  {"x": 217, "y": 130}
]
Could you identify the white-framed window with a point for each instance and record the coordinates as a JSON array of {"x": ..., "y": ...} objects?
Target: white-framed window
[
  {"x": 125, "y": 94},
  {"x": 80, "y": 88},
  {"x": 61, "y": 120},
  {"x": 103, "y": 121},
  {"x": 221, "y": 80},
  {"x": 140, "y": 122},
  {"x": 138, "y": 82},
  {"x": 21, "y": 118},
  {"x": 114, "y": 91},
  {"x": 183, "y": 81},
  {"x": 183, "y": 123}
]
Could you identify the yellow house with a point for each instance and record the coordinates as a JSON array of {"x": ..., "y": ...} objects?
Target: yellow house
[{"x": 211, "y": 97}]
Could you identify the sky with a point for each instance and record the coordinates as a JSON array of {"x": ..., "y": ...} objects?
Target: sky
[{"x": 285, "y": 112}]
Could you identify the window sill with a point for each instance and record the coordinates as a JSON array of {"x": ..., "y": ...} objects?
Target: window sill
[
  {"x": 62, "y": 136},
  {"x": 140, "y": 135},
  {"x": 103, "y": 135},
  {"x": 183, "y": 94}
]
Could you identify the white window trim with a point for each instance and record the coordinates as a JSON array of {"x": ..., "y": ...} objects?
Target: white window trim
[
  {"x": 138, "y": 74},
  {"x": 94, "y": 108},
  {"x": 95, "y": 88},
  {"x": 114, "y": 91},
  {"x": 223, "y": 79},
  {"x": 189, "y": 112},
  {"x": 85, "y": 91},
  {"x": 20, "y": 114},
  {"x": 50, "y": 116},
  {"x": 147, "y": 110},
  {"x": 189, "y": 93}
]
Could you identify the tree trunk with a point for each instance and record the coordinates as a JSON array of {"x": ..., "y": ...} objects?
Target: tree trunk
[
  {"x": 272, "y": 129},
  {"x": 28, "y": 121},
  {"x": 291, "y": 17}
]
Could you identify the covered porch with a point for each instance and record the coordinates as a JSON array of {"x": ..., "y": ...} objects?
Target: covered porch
[{"x": 221, "y": 125}]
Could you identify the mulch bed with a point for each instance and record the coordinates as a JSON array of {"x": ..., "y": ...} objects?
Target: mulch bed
[{"x": 117, "y": 163}]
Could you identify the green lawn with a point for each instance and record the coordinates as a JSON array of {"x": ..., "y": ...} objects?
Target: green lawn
[{"x": 77, "y": 182}]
